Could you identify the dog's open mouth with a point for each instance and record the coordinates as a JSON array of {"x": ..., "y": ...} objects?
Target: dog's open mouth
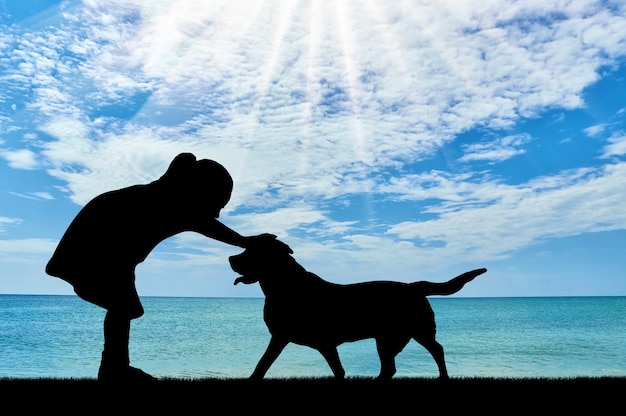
[{"x": 246, "y": 279}]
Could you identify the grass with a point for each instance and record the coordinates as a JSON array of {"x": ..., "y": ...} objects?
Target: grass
[{"x": 320, "y": 395}]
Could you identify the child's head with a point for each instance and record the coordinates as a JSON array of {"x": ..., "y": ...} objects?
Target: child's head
[{"x": 203, "y": 182}]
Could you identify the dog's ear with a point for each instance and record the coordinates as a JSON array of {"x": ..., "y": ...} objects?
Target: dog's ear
[{"x": 282, "y": 247}]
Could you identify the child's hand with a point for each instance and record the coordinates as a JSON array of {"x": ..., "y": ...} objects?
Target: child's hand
[{"x": 265, "y": 238}]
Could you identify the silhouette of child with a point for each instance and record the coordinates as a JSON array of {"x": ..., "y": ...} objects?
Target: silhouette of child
[{"x": 117, "y": 230}]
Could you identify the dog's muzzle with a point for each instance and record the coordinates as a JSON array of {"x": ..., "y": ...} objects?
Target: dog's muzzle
[{"x": 236, "y": 263}]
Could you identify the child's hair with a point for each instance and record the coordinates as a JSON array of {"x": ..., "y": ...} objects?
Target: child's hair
[{"x": 186, "y": 174}]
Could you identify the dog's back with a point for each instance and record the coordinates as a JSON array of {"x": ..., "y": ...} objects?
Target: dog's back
[{"x": 314, "y": 312}]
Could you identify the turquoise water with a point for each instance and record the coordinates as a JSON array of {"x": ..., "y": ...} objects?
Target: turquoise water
[{"x": 61, "y": 336}]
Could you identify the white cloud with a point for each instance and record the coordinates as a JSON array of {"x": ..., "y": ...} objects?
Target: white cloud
[
  {"x": 34, "y": 195},
  {"x": 20, "y": 159},
  {"x": 291, "y": 220},
  {"x": 505, "y": 218},
  {"x": 437, "y": 185},
  {"x": 594, "y": 131},
  {"x": 498, "y": 150},
  {"x": 616, "y": 146},
  {"x": 330, "y": 86},
  {"x": 6, "y": 220},
  {"x": 25, "y": 249}
]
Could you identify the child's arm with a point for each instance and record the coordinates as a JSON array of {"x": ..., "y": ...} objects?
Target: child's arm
[{"x": 220, "y": 232}]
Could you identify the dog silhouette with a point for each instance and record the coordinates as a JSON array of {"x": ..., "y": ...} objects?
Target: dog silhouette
[{"x": 302, "y": 308}]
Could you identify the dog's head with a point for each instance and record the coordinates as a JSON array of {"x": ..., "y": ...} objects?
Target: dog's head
[{"x": 261, "y": 259}]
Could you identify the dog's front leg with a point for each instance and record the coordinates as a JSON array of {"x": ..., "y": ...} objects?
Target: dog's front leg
[
  {"x": 272, "y": 352},
  {"x": 332, "y": 358}
]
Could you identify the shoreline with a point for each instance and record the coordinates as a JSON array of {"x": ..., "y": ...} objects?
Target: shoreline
[{"x": 321, "y": 394}]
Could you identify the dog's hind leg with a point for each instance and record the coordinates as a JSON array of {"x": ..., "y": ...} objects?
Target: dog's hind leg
[
  {"x": 332, "y": 358},
  {"x": 270, "y": 355},
  {"x": 387, "y": 351},
  {"x": 436, "y": 350}
]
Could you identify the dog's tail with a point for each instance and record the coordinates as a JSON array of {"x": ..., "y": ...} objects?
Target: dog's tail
[{"x": 449, "y": 287}]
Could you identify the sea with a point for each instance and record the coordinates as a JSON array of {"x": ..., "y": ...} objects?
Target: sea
[{"x": 48, "y": 336}]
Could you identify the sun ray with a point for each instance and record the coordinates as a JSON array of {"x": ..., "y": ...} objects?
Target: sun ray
[
  {"x": 345, "y": 31},
  {"x": 313, "y": 50},
  {"x": 227, "y": 24},
  {"x": 250, "y": 123},
  {"x": 362, "y": 152},
  {"x": 278, "y": 40},
  {"x": 230, "y": 21}
]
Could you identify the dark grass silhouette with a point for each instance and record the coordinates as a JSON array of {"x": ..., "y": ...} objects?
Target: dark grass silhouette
[
  {"x": 302, "y": 308},
  {"x": 531, "y": 396}
]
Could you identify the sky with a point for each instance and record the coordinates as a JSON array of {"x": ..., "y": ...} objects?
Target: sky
[{"x": 404, "y": 140}]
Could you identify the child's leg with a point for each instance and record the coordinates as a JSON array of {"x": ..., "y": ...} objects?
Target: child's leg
[
  {"x": 115, "y": 364},
  {"x": 116, "y": 337},
  {"x": 123, "y": 305}
]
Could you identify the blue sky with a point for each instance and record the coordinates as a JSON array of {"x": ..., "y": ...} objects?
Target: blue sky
[{"x": 381, "y": 140}]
